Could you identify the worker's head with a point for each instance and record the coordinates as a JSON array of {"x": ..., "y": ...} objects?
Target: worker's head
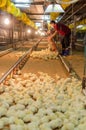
[{"x": 52, "y": 23}]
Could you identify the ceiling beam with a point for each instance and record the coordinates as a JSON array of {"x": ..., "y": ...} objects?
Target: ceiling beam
[
  {"x": 35, "y": 19},
  {"x": 37, "y": 14},
  {"x": 74, "y": 13},
  {"x": 31, "y": 3},
  {"x": 72, "y": 9}
]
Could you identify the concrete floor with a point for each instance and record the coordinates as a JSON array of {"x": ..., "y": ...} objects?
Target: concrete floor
[
  {"x": 51, "y": 67},
  {"x": 76, "y": 60}
]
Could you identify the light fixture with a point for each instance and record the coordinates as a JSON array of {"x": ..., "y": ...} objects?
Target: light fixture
[
  {"x": 25, "y": 1},
  {"x": 79, "y": 26},
  {"x": 36, "y": 32},
  {"x": 54, "y": 8},
  {"x": 6, "y": 21},
  {"x": 28, "y": 31},
  {"x": 40, "y": 29},
  {"x": 38, "y": 24},
  {"x": 22, "y": 5}
]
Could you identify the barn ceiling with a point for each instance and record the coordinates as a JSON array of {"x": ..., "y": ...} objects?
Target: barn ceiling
[{"x": 35, "y": 9}]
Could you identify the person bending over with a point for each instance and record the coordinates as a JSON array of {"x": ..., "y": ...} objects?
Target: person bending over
[{"x": 64, "y": 32}]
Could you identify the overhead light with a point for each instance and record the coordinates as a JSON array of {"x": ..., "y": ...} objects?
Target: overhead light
[
  {"x": 79, "y": 26},
  {"x": 25, "y": 1},
  {"x": 38, "y": 24},
  {"x": 36, "y": 32},
  {"x": 54, "y": 8},
  {"x": 28, "y": 31},
  {"x": 40, "y": 29},
  {"x": 6, "y": 21},
  {"x": 22, "y": 5}
]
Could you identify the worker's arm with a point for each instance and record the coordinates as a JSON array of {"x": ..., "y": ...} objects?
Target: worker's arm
[{"x": 53, "y": 34}]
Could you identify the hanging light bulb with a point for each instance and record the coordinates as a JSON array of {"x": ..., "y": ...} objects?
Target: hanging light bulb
[
  {"x": 6, "y": 21},
  {"x": 28, "y": 31}
]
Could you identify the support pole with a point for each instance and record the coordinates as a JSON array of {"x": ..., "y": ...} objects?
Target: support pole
[
  {"x": 84, "y": 73},
  {"x": 12, "y": 33},
  {"x": 71, "y": 35},
  {"x": 21, "y": 31},
  {"x": 74, "y": 35}
]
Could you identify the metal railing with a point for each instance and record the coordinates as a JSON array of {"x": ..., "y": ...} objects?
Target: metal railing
[
  {"x": 19, "y": 64},
  {"x": 69, "y": 68}
]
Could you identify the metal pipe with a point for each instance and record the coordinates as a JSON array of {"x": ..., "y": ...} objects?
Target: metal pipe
[
  {"x": 5, "y": 52},
  {"x": 64, "y": 63},
  {"x": 65, "y": 12},
  {"x": 68, "y": 67},
  {"x": 75, "y": 12}
]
